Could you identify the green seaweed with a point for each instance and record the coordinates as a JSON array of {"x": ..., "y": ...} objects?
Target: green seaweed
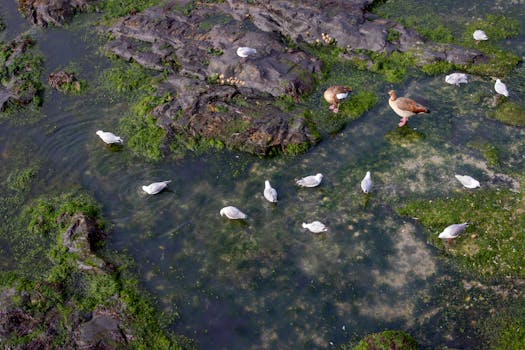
[
  {"x": 404, "y": 136},
  {"x": 493, "y": 243},
  {"x": 510, "y": 112},
  {"x": 387, "y": 340}
]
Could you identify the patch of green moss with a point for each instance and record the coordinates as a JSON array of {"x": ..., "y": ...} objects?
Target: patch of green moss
[
  {"x": 496, "y": 26},
  {"x": 21, "y": 180},
  {"x": 394, "y": 66},
  {"x": 295, "y": 149},
  {"x": 125, "y": 78},
  {"x": 119, "y": 8},
  {"x": 393, "y": 35},
  {"x": 512, "y": 337},
  {"x": 493, "y": 244},
  {"x": 404, "y": 136},
  {"x": 387, "y": 340},
  {"x": 489, "y": 151},
  {"x": 358, "y": 104},
  {"x": 437, "y": 68},
  {"x": 47, "y": 215},
  {"x": 510, "y": 113}
]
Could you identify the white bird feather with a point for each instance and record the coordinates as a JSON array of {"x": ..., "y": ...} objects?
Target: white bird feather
[
  {"x": 367, "y": 183},
  {"x": 453, "y": 231},
  {"x": 232, "y": 213},
  {"x": 456, "y": 78},
  {"x": 467, "y": 181},
  {"x": 245, "y": 52},
  {"x": 109, "y": 137},
  {"x": 501, "y": 88},
  {"x": 270, "y": 193},
  {"x": 155, "y": 187},
  {"x": 480, "y": 35},
  {"x": 310, "y": 181},
  {"x": 315, "y": 226}
]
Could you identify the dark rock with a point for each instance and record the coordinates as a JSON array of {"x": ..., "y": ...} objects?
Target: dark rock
[
  {"x": 57, "y": 80},
  {"x": 55, "y": 12},
  {"x": 22, "y": 82},
  {"x": 81, "y": 238}
]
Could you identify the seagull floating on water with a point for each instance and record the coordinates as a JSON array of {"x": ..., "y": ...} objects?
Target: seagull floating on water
[
  {"x": 334, "y": 95},
  {"x": 501, "y": 88},
  {"x": 232, "y": 213},
  {"x": 453, "y": 231},
  {"x": 270, "y": 193},
  {"x": 245, "y": 52},
  {"x": 310, "y": 181},
  {"x": 405, "y": 107},
  {"x": 467, "y": 181},
  {"x": 479, "y": 35},
  {"x": 155, "y": 187},
  {"x": 315, "y": 226},
  {"x": 109, "y": 137},
  {"x": 456, "y": 78},
  {"x": 367, "y": 183}
]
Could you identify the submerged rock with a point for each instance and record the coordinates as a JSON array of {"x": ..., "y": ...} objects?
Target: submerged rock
[
  {"x": 20, "y": 74},
  {"x": 62, "y": 80},
  {"x": 55, "y": 12}
]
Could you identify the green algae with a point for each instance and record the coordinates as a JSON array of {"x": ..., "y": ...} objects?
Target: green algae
[
  {"x": 404, "y": 136},
  {"x": 491, "y": 152},
  {"x": 510, "y": 112},
  {"x": 387, "y": 340},
  {"x": 492, "y": 245}
]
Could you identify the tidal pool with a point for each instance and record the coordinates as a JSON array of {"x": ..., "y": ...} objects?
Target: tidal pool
[{"x": 267, "y": 283}]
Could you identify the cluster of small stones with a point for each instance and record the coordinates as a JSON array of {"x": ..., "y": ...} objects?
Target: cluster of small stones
[
  {"x": 230, "y": 81},
  {"x": 327, "y": 39}
]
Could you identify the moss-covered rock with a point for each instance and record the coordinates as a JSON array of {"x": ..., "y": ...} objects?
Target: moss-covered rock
[{"x": 387, "y": 340}]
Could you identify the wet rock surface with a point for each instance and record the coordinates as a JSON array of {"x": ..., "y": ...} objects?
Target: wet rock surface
[
  {"x": 54, "y": 12},
  {"x": 199, "y": 53},
  {"x": 20, "y": 79},
  {"x": 58, "y": 80}
]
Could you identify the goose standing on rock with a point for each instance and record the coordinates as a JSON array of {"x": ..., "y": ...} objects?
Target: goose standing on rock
[
  {"x": 270, "y": 193},
  {"x": 155, "y": 187},
  {"x": 367, "y": 183},
  {"x": 479, "y": 35},
  {"x": 453, "y": 231},
  {"x": 334, "y": 95},
  {"x": 233, "y": 213},
  {"x": 501, "y": 88},
  {"x": 405, "y": 107},
  {"x": 310, "y": 181},
  {"x": 109, "y": 137},
  {"x": 315, "y": 227}
]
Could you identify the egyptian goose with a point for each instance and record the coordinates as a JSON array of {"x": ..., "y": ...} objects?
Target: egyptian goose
[
  {"x": 405, "y": 107},
  {"x": 334, "y": 95}
]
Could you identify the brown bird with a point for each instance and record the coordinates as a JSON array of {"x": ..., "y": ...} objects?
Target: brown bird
[
  {"x": 334, "y": 95},
  {"x": 405, "y": 107}
]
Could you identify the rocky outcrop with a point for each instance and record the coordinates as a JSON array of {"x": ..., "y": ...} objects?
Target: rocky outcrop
[
  {"x": 62, "y": 80},
  {"x": 20, "y": 73},
  {"x": 55, "y": 12},
  {"x": 206, "y": 76}
]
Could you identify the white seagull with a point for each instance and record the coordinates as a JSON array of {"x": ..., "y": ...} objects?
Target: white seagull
[
  {"x": 456, "y": 78},
  {"x": 467, "y": 181},
  {"x": 367, "y": 183},
  {"x": 155, "y": 187},
  {"x": 479, "y": 35},
  {"x": 310, "y": 181},
  {"x": 269, "y": 192},
  {"x": 501, "y": 88},
  {"x": 315, "y": 226},
  {"x": 453, "y": 231},
  {"x": 232, "y": 213},
  {"x": 245, "y": 52},
  {"x": 109, "y": 137}
]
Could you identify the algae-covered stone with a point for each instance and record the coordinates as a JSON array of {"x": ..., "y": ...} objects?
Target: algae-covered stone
[{"x": 391, "y": 340}]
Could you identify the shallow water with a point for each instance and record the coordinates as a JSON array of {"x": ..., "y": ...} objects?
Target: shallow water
[{"x": 268, "y": 283}]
